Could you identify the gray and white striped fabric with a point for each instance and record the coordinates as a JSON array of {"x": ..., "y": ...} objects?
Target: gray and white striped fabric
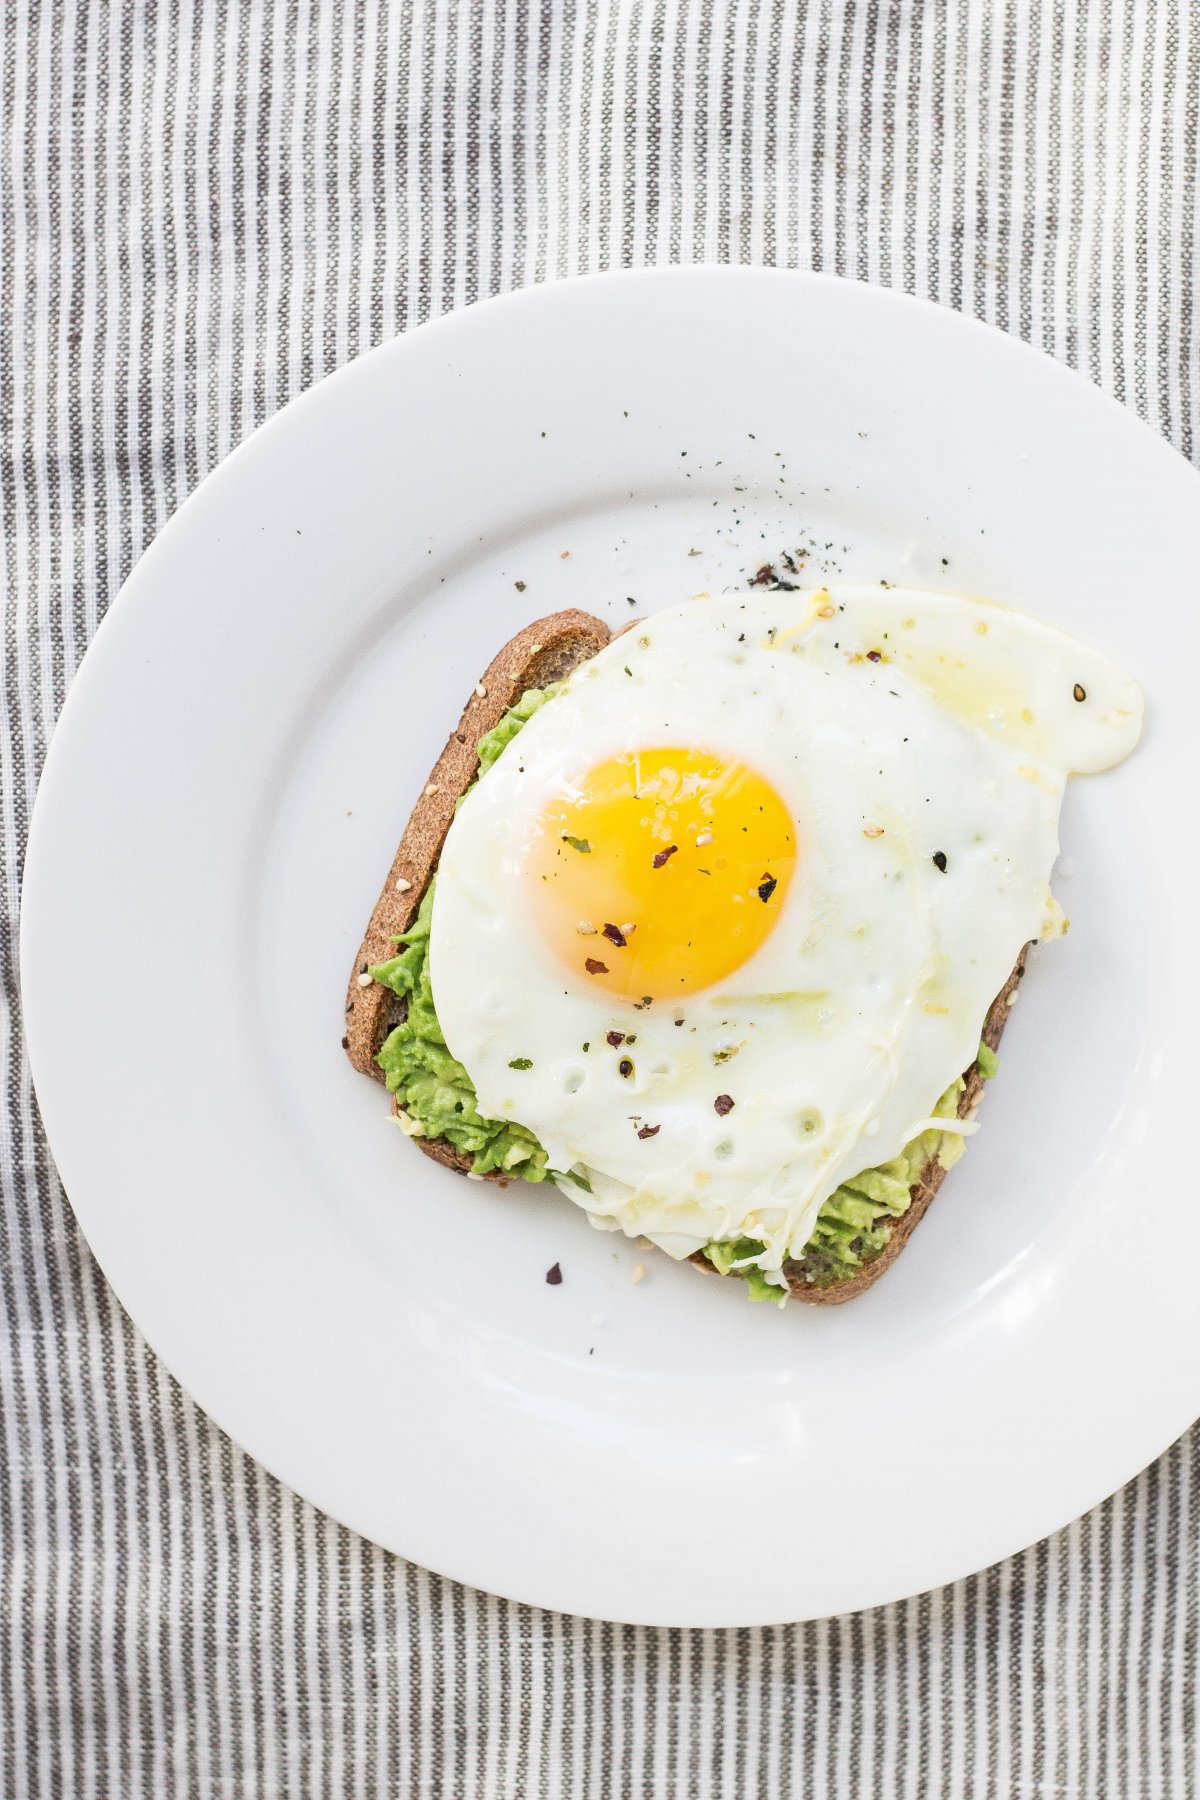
[{"x": 205, "y": 208}]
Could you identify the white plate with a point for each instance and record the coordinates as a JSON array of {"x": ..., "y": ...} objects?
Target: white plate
[{"x": 225, "y": 791}]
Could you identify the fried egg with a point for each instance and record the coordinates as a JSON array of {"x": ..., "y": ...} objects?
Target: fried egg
[{"x": 724, "y": 921}]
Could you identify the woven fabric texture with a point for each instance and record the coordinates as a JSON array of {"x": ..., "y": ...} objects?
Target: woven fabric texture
[{"x": 205, "y": 207}]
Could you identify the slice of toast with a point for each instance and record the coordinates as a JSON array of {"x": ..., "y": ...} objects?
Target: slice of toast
[{"x": 549, "y": 650}]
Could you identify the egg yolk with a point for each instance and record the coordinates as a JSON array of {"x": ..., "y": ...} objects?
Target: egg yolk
[{"x": 661, "y": 871}]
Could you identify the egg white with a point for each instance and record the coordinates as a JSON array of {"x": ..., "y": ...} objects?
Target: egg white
[{"x": 951, "y": 725}]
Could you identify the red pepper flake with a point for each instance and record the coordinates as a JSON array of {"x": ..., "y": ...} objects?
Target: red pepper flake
[
  {"x": 594, "y": 967},
  {"x": 766, "y": 888},
  {"x": 763, "y": 577},
  {"x": 554, "y": 1276},
  {"x": 649, "y": 1131},
  {"x": 662, "y": 856},
  {"x": 615, "y": 1038},
  {"x": 723, "y": 1104},
  {"x": 615, "y": 935},
  {"x": 874, "y": 656}
]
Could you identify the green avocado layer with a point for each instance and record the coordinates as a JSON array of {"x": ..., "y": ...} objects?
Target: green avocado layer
[{"x": 439, "y": 1101}]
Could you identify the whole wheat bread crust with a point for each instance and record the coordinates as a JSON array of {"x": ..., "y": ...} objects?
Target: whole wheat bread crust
[
  {"x": 546, "y": 651},
  {"x": 549, "y": 650}
]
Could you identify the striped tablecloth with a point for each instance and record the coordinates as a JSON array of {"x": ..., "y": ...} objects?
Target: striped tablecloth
[{"x": 205, "y": 208}]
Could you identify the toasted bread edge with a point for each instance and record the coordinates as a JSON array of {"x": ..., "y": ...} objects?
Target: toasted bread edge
[{"x": 546, "y": 651}]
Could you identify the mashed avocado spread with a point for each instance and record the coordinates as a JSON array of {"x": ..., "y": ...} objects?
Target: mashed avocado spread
[{"x": 438, "y": 1101}]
